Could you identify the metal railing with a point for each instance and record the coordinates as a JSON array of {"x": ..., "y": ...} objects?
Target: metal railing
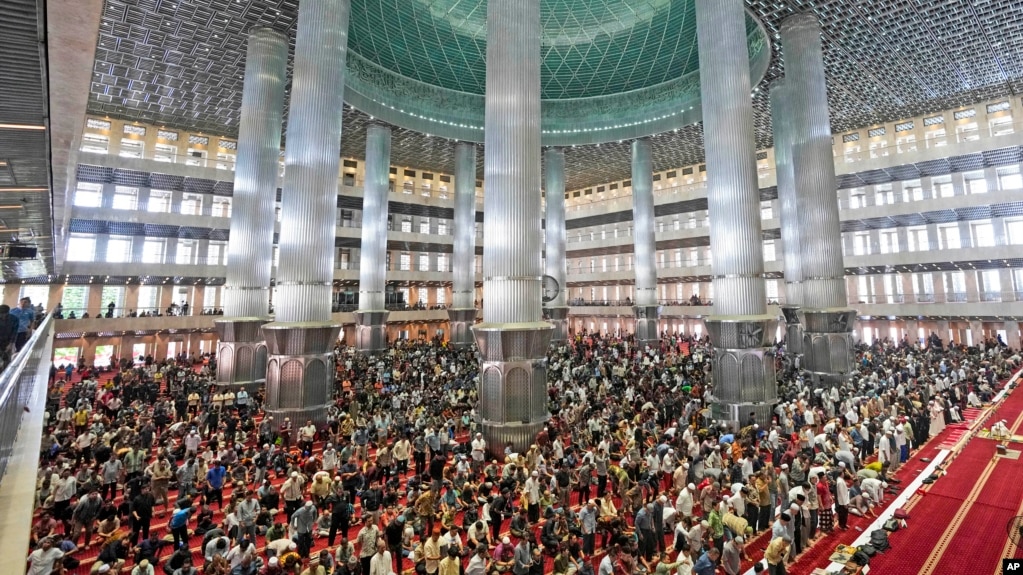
[
  {"x": 17, "y": 384},
  {"x": 125, "y": 312}
]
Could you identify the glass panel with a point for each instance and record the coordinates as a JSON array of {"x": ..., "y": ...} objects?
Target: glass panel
[
  {"x": 89, "y": 195},
  {"x": 118, "y": 249},
  {"x": 81, "y": 248}
]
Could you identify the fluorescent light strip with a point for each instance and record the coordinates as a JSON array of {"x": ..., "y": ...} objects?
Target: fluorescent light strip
[
  {"x": 21, "y": 127},
  {"x": 24, "y": 189}
]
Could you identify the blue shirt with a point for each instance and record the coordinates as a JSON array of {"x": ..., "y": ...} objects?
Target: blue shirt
[
  {"x": 216, "y": 476},
  {"x": 704, "y": 566},
  {"x": 25, "y": 318}
]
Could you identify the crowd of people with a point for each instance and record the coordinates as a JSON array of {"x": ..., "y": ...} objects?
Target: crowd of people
[{"x": 160, "y": 470}]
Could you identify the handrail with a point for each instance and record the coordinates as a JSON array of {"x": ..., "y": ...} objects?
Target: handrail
[{"x": 12, "y": 391}]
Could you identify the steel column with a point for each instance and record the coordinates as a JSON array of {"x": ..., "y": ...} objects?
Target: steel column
[
  {"x": 462, "y": 314},
  {"x": 513, "y": 337},
  {"x": 241, "y": 351},
  {"x": 300, "y": 371},
  {"x": 371, "y": 319},
  {"x": 744, "y": 377}
]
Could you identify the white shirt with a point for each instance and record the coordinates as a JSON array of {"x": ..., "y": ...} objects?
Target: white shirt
[{"x": 381, "y": 564}]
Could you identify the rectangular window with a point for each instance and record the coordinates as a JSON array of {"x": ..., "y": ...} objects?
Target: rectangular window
[
  {"x": 1014, "y": 231},
  {"x": 81, "y": 248},
  {"x": 968, "y": 132},
  {"x": 1000, "y": 126},
  {"x": 125, "y": 198},
  {"x": 112, "y": 295},
  {"x": 944, "y": 188},
  {"x": 935, "y": 138},
  {"x": 75, "y": 299},
  {"x": 424, "y": 225},
  {"x": 406, "y": 225},
  {"x": 442, "y": 296},
  {"x": 983, "y": 234},
  {"x": 949, "y": 236},
  {"x": 119, "y": 249},
  {"x": 991, "y": 285},
  {"x": 149, "y": 298},
  {"x": 209, "y": 297},
  {"x": 191, "y": 204},
  {"x": 766, "y": 211},
  {"x": 132, "y": 148},
  {"x": 955, "y": 286},
  {"x": 861, "y": 244},
  {"x": 924, "y": 285},
  {"x": 889, "y": 242},
  {"x": 442, "y": 262},
  {"x": 95, "y": 143},
  {"x": 39, "y": 294},
  {"x": 442, "y": 228},
  {"x": 917, "y": 238},
  {"x": 153, "y": 251},
  {"x": 217, "y": 255},
  {"x": 976, "y": 182},
  {"x": 769, "y": 255},
  {"x": 424, "y": 262},
  {"x": 222, "y": 207},
  {"x": 165, "y": 153},
  {"x": 405, "y": 262},
  {"x": 195, "y": 157},
  {"x": 159, "y": 202},
  {"x": 186, "y": 252},
  {"x": 1009, "y": 178},
  {"x": 89, "y": 195},
  {"x": 226, "y": 161}
]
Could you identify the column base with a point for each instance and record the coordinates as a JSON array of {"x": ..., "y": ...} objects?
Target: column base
[
  {"x": 371, "y": 331},
  {"x": 647, "y": 332},
  {"x": 300, "y": 371},
  {"x": 793, "y": 332},
  {"x": 558, "y": 316},
  {"x": 241, "y": 353},
  {"x": 828, "y": 345},
  {"x": 461, "y": 322},
  {"x": 744, "y": 374},
  {"x": 513, "y": 383}
]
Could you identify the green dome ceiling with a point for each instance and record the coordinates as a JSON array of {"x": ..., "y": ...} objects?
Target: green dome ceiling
[{"x": 608, "y": 65}]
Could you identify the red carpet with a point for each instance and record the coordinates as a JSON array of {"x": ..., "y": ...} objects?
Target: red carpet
[{"x": 977, "y": 544}]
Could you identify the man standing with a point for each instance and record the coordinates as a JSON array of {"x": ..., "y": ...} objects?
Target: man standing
[
  {"x": 588, "y": 521},
  {"x": 842, "y": 502},
  {"x": 367, "y": 542},
  {"x": 246, "y": 512},
  {"x": 215, "y": 484},
  {"x": 84, "y": 517},
  {"x": 142, "y": 514},
  {"x": 303, "y": 522},
  {"x": 26, "y": 316}
]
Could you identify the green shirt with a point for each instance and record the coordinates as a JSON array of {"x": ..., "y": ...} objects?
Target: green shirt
[{"x": 717, "y": 528}]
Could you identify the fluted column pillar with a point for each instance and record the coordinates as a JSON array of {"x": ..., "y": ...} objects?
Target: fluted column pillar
[
  {"x": 554, "y": 248},
  {"x": 300, "y": 371},
  {"x": 371, "y": 319},
  {"x": 782, "y": 121},
  {"x": 645, "y": 300},
  {"x": 827, "y": 319},
  {"x": 513, "y": 337},
  {"x": 462, "y": 314},
  {"x": 241, "y": 351},
  {"x": 744, "y": 377}
]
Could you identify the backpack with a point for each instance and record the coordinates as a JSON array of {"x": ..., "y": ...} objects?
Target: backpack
[
  {"x": 892, "y": 525},
  {"x": 879, "y": 539},
  {"x": 860, "y": 557}
]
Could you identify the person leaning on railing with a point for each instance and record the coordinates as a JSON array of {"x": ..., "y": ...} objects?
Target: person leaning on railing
[{"x": 8, "y": 332}]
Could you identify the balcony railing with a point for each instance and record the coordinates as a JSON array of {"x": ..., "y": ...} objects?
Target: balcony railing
[
  {"x": 118, "y": 312},
  {"x": 19, "y": 378}
]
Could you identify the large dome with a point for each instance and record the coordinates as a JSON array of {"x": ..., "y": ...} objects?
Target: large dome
[{"x": 610, "y": 68}]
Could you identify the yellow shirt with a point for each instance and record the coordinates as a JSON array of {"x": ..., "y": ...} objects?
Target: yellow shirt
[
  {"x": 449, "y": 566},
  {"x": 775, "y": 551},
  {"x": 432, "y": 549}
]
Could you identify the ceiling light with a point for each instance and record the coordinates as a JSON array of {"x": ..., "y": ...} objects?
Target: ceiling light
[
  {"x": 24, "y": 189},
  {"x": 21, "y": 127}
]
